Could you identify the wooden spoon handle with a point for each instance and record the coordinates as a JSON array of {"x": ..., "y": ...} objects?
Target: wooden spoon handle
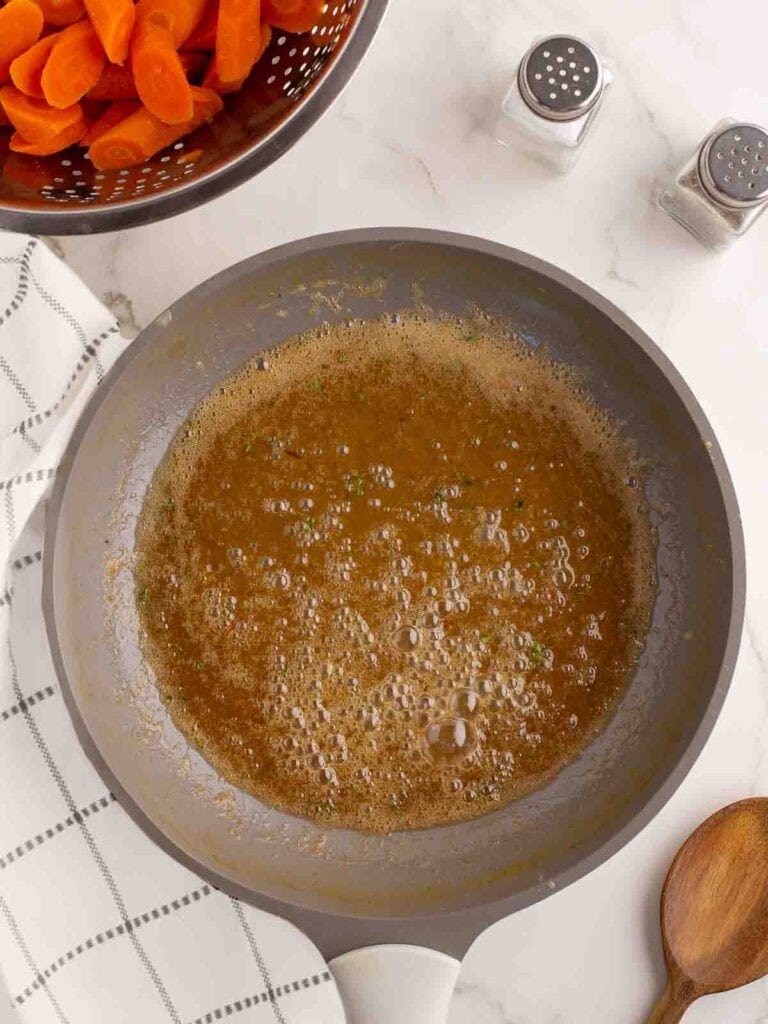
[{"x": 671, "y": 1007}]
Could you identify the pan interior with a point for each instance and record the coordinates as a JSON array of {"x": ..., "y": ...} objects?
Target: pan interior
[{"x": 176, "y": 362}]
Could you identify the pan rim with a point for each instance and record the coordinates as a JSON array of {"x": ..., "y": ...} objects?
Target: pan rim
[{"x": 653, "y": 800}]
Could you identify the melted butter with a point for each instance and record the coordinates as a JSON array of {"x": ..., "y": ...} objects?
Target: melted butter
[{"x": 396, "y": 578}]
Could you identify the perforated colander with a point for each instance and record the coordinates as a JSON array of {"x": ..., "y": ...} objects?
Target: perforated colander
[{"x": 293, "y": 83}]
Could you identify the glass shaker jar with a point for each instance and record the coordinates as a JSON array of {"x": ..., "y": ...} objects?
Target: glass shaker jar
[
  {"x": 554, "y": 101},
  {"x": 723, "y": 189}
]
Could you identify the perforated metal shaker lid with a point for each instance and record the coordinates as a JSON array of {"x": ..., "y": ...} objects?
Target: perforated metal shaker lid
[
  {"x": 733, "y": 165},
  {"x": 560, "y": 78}
]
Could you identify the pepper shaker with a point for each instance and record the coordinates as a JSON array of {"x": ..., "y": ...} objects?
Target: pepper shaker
[
  {"x": 723, "y": 189},
  {"x": 554, "y": 100}
]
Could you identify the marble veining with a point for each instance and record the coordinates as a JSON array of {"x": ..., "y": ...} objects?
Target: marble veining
[{"x": 409, "y": 143}]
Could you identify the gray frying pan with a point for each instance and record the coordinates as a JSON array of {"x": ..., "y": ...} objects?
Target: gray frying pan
[{"x": 438, "y": 887}]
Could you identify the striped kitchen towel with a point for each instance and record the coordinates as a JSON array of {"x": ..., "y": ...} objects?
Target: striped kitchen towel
[{"x": 97, "y": 925}]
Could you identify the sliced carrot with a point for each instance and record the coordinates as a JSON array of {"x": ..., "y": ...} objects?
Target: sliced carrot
[
  {"x": 116, "y": 82},
  {"x": 161, "y": 81},
  {"x": 61, "y": 12},
  {"x": 142, "y": 134},
  {"x": 293, "y": 15},
  {"x": 212, "y": 80},
  {"x": 204, "y": 36},
  {"x": 238, "y": 38},
  {"x": 34, "y": 119},
  {"x": 74, "y": 66},
  {"x": 113, "y": 115},
  {"x": 113, "y": 21},
  {"x": 21, "y": 22},
  {"x": 27, "y": 69},
  {"x": 53, "y": 143},
  {"x": 180, "y": 17}
]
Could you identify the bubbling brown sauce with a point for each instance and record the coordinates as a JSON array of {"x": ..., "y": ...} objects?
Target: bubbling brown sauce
[{"x": 395, "y": 574}]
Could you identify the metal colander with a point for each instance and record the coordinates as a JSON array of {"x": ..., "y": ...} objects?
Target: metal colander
[{"x": 292, "y": 84}]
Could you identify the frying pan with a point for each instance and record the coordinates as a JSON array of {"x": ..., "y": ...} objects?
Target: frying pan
[{"x": 438, "y": 887}]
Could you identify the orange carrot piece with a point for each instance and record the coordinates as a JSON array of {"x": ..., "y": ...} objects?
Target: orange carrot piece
[
  {"x": 34, "y": 119},
  {"x": 60, "y": 13},
  {"x": 53, "y": 143},
  {"x": 180, "y": 17},
  {"x": 161, "y": 81},
  {"x": 113, "y": 21},
  {"x": 116, "y": 82},
  {"x": 113, "y": 115},
  {"x": 238, "y": 38},
  {"x": 74, "y": 66},
  {"x": 212, "y": 80},
  {"x": 141, "y": 135},
  {"x": 293, "y": 15},
  {"x": 204, "y": 36},
  {"x": 27, "y": 69},
  {"x": 21, "y": 22}
]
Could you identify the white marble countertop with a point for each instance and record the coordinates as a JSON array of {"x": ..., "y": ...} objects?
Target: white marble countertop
[{"x": 408, "y": 144}]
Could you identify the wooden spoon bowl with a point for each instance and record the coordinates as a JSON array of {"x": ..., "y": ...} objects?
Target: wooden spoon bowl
[{"x": 714, "y": 909}]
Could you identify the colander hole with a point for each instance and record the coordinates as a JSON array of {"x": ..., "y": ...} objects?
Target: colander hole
[
  {"x": 550, "y": 68},
  {"x": 562, "y": 71},
  {"x": 577, "y": 78},
  {"x": 741, "y": 174},
  {"x": 747, "y": 149},
  {"x": 587, "y": 69},
  {"x": 179, "y": 145},
  {"x": 301, "y": 69},
  {"x": 737, "y": 138},
  {"x": 292, "y": 52},
  {"x": 537, "y": 76},
  {"x": 164, "y": 159},
  {"x": 98, "y": 177},
  {"x": 287, "y": 71},
  {"x": 571, "y": 50},
  {"x": 719, "y": 156},
  {"x": 730, "y": 164},
  {"x": 281, "y": 41},
  {"x": 564, "y": 86},
  {"x": 58, "y": 181},
  {"x": 271, "y": 79},
  {"x": 577, "y": 92},
  {"x": 726, "y": 177},
  {"x": 560, "y": 59},
  {"x": 734, "y": 152},
  {"x": 77, "y": 174},
  {"x": 571, "y": 64},
  {"x": 275, "y": 60},
  {"x": 553, "y": 95},
  {"x": 66, "y": 163},
  {"x": 545, "y": 54},
  {"x": 551, "y": 81},
  {"x": 751, "y": 184},
  {"x": 306, "y": 51}
]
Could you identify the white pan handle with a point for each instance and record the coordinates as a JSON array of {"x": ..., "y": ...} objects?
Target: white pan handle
[{"x": 395, "y": 984}]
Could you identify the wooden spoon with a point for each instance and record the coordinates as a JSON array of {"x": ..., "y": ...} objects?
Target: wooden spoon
[{"x": 714, "y": 909}]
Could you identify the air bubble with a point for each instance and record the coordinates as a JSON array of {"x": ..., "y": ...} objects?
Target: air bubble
[
  {"x": 407, "y": 638},
  {"x": 449, "y": 740}
]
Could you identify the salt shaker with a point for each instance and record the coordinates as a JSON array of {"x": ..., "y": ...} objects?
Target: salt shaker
[
  {"x": 554, "y": 101},
  {"x": 723, "y": 189}
]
